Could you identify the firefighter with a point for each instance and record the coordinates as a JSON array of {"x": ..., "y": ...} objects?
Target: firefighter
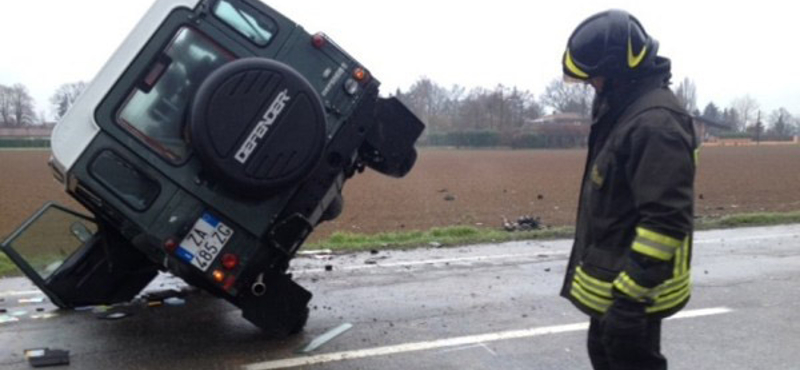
[{"x": 630, "y": 263}]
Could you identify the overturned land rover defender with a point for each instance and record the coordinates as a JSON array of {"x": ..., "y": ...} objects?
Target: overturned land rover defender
[{"x": 211, "y": 145}]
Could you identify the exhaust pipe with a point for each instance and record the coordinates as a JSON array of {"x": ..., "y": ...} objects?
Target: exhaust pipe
[{"x": 259, "y": 288}]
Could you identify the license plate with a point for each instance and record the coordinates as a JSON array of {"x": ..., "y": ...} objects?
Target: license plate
[{"x": 204, "y": 242}]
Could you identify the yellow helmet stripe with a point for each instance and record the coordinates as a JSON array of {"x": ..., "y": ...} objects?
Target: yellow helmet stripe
[
  {"x": 634, "y": 60},
  {"x": 572, "y": 67}
]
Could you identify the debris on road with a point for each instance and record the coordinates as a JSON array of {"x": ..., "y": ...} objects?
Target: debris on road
[
  {"x": 100, "y": 309},
  {"x": 524, "y": 223},
  {"x": 4, "y": 319},
  {"x": 315, "y": 252},
  {"x": 327, "y": 337},
  {"x": 175, "y": 301},
  {"x": 328, "y": 268},
  {"x": 113, "y": 315},
  {"x": 435, "y": 244},
  {"x": 31, "y": 300},
  {"x": 449, "y": 197},
  {"x": 375, "y": 260},
  {"x": 44, "y": 357},
  {"x": 161, "y": 295},
  {"x": 44, "y": 316}
]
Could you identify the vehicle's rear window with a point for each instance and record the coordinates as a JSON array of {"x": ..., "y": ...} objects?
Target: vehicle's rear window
[
  {"x": 249, "y": 22},
  {"x": 156, "y": 108}
]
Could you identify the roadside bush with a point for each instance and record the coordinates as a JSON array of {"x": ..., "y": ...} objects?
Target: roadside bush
[
  {"x": 528, "y": 140},
  {"x": 24, "y": 143},
  {"x": 465, "y": 138}
]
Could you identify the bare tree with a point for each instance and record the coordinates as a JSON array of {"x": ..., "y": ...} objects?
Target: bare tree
[
  {"x": 6, "y": 110},
  {"x": 65, "y": 96},
  {"x": 712, "y": 112},
  {"x": 429, "y": 101},
  {"x": 16, "y": 106},
  {"x": 795, "y": 129},
  {"x": 746, "y": 108},
  {"x": 566, "y": 97},
  {"x": 781, "y": 123},
  {"x": 687, "y": 94},
  {"x": 502, "y": 109}
]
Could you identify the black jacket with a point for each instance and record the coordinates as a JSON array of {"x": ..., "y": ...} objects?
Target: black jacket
[{"x": 635, "y": 215}]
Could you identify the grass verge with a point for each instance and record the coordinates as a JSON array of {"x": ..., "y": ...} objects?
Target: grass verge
[
  {"x": 7, "y": 268},
  {"x": 748, "y": 220},
  {"x": 444, "y": 236},
  {"x": 466, "y": 235}
]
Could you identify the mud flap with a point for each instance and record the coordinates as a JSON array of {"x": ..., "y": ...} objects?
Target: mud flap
[
  {"x": 389, "y": 146},
  {"x": 77, "y": 262},
  {"x": 280, "y": 310}
]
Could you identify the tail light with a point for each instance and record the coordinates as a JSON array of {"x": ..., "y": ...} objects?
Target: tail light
[
  {"x": 359, "y": 74},
  {"x": 170, "y": 245},
  {"x": 230, "y": 261},
  {"x": 318, "y": 40}
]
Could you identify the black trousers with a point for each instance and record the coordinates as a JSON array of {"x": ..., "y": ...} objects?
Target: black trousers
[{"x": 640, "y": 352}]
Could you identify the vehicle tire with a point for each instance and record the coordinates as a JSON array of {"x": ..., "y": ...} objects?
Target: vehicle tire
[
  {"x": 300, "y": 322},
  {"x": 334, "y": 209}
]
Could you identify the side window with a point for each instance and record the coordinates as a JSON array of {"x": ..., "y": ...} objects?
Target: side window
[
  {"x": 47, "y": 240},
  {"x": 124, "y": 180},
  {"x": 155, "y": 109},
  {"x": 249, "y": 22}
]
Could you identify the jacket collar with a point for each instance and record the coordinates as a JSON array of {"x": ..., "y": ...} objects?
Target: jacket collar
[{"x": 609, "y": 105}]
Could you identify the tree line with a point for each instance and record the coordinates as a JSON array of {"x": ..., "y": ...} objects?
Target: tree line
[
  {"x": 504, "y": 113},
  {"x": 479, "y": 115},
  {"x": 17, "y": 107}
]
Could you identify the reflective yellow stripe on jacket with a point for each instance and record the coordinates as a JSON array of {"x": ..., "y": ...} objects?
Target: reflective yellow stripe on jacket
[
  {"x": 656, "y": 245},
  {"x": 591, "y": 292},
  {"x": 597, "y": 294}
]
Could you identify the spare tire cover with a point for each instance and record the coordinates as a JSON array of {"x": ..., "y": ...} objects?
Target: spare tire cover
[{"x": 257, "y": 124}]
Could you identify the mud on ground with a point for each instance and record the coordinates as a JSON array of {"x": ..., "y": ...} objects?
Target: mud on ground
[{"x": 478, "y": 188}]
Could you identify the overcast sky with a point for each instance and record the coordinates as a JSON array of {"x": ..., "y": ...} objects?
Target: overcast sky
[{"x": 728, "y": 48}]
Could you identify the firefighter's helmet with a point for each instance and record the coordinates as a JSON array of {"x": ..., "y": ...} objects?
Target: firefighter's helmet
[{"x": 611, "y": 44}]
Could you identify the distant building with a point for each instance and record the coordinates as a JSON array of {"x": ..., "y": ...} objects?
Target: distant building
[
  {"x": 563, "y": 130},
  {"x": 707, "y": 128},
  {"x": 570, "y": 119}
]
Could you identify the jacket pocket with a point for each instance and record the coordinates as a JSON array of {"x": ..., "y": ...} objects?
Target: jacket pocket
[{"x": 604, "y": 263}]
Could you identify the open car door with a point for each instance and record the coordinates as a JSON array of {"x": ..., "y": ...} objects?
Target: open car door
[{"x": 76, "y": 261}]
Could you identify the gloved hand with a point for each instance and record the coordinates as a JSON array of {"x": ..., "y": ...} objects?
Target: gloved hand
[{"x": 625, "y": 319}]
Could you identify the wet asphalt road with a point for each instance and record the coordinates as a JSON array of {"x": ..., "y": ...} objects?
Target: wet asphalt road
[{"x": 480, "y": 307}]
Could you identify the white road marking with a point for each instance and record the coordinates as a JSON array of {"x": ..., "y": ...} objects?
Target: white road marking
[
  {"x": 700, "y": 312},
  {"x": 448, "y": 343},
  {"x": 489, "y": 349},
  {"x": 744, "y": 238},
  {"x": 14, "y": 293},
  {"x": 434, "y": 261}
]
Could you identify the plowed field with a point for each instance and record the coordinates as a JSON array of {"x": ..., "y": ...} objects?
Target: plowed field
[{"x": 449, "y": 187}]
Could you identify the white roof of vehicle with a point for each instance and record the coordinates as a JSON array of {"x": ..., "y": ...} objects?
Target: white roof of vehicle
[{"x": 78, "y": 127}]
